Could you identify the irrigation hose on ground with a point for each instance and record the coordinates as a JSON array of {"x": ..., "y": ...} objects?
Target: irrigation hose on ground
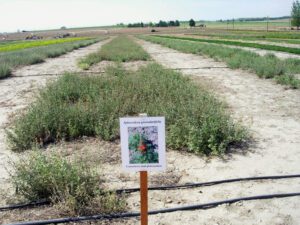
[
  {"x": 167, "y": 210},
  {"x": 100, "y": 72},
  {"x": 210, "y": 183},
  {"x": 24, "y": 205},
  {"x": 192, "y": 185}
]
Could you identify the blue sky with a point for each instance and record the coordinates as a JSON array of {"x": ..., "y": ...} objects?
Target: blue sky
[{"x": 51, "y": 14}]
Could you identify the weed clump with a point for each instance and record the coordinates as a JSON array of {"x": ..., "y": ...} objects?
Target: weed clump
[
  {"x": 73, "y": 187},
  {"x": 75, "y": 106}
]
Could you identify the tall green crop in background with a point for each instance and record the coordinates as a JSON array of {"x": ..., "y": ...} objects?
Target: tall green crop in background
[{"x": 295, "y": 14}]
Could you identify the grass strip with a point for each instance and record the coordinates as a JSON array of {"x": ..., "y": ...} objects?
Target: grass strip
[
  {"x": 248, "y": 38},
  {"x": 120, "y": 49},
  {"x": 75, "y": 106},
  {"x": 241, "y": 44},
  {"x": 11, "y": 60},
  {"x": 257, "y": 34},
  {"x": 268, "y": 66},
  {"x": 13, "y": 46}
]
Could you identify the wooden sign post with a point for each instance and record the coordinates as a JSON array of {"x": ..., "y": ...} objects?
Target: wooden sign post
[
  {"x": 144, "y": 197},
  {"x": 144, "y": 191},
  {"x": 143, "y": 149}
]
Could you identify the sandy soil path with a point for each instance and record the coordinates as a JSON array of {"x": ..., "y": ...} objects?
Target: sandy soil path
[
  {"x": 18, "y": 92},
  {"x": 273, "y": 115},
  {"x": 262, "y": 52}
]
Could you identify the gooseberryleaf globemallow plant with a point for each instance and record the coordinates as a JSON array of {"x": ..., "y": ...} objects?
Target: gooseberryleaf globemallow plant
[{"x": 142, "y": 149}]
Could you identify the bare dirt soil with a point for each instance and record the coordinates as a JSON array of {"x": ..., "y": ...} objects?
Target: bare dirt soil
[{"x": 18, "y": 91}]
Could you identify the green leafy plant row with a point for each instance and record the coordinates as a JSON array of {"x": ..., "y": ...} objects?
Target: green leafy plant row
[
  {"x": 11, "y": 60},
  {"x": 75, "y": 106},
  {"x": 241, "y": 44},
  {"x": 239, "y": 37},
  {"x": 120, "y": 49},
  {"x": 13, "y": 46},
  {"x": 268, "y": 66}
]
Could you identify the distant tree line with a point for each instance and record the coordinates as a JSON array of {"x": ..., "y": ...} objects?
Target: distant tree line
[
  {"x": 295, "y": 14},
  {"x": 161, "y": 23}
]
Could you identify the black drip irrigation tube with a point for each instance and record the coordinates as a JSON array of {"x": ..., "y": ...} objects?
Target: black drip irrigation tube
[
  {"x": 100, "y": 72},
  {"x": 56, "y": 74},
  {"x": 210, "y": 183},
  {"x": 25, "y": 205},
  {"x": 202, "y": 68},
  {"x": 167, "y": 210},
  {"x": 169, "y": 187}
]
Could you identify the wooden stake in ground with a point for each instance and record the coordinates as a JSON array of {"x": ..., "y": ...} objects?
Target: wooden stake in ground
[
  {"x": 144, "y": 191},
  {"x": 144, "y": 197}
]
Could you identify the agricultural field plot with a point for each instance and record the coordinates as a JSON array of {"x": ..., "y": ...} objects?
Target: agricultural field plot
[
  {"x": 292, "y": 43},
  {"x": 10, "y": 60},
  {"x": 251, "y": 34},
  {"x": 120, "y": 49},
  {"x": 242, "y": 25},
  {"x": 18, "y": 45},
  {"x": 17, "y": 93},
  {"x": 210, "y": 110},
  {"x": 271, "y": 112},
  {"x": 105, "y": 93},
  {"x": 260, "y": 50},
  {"x": 295, "y": 51},
  {"x": 283, "y": 71}
]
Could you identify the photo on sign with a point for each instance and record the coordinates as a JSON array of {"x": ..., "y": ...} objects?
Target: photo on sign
[{"x": 143, "y": 145}]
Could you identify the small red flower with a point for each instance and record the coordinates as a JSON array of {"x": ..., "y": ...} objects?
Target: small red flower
[{"x": 142, "y": 148}]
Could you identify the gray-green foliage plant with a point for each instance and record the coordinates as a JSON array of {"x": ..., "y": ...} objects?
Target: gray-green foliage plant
[
  {"x": 76, "y": 106},
  {"x": 271, "y": 47},
  {"x": 73, "y": 186},
  {"x": 120, "y": 49},
  {"x": 44, "y": 177}
]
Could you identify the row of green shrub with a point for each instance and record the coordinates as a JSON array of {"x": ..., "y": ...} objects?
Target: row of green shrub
[
  {"x": 76, "y": 106},
  {"x": 10, "y": 60},
  {"x": 18, "y": 45},
  {"x": 258, "y": 34},
  {"x": 241, "y": 44},
  {"x": 267, "y": 66},
  {"x": 234, "y": 36},
  {"x": 120, "y": 49}
]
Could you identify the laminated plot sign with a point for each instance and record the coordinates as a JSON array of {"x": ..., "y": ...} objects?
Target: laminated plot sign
[
  {"x": 143, "y": 149},
  {"x": 143, "y": 143}
]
